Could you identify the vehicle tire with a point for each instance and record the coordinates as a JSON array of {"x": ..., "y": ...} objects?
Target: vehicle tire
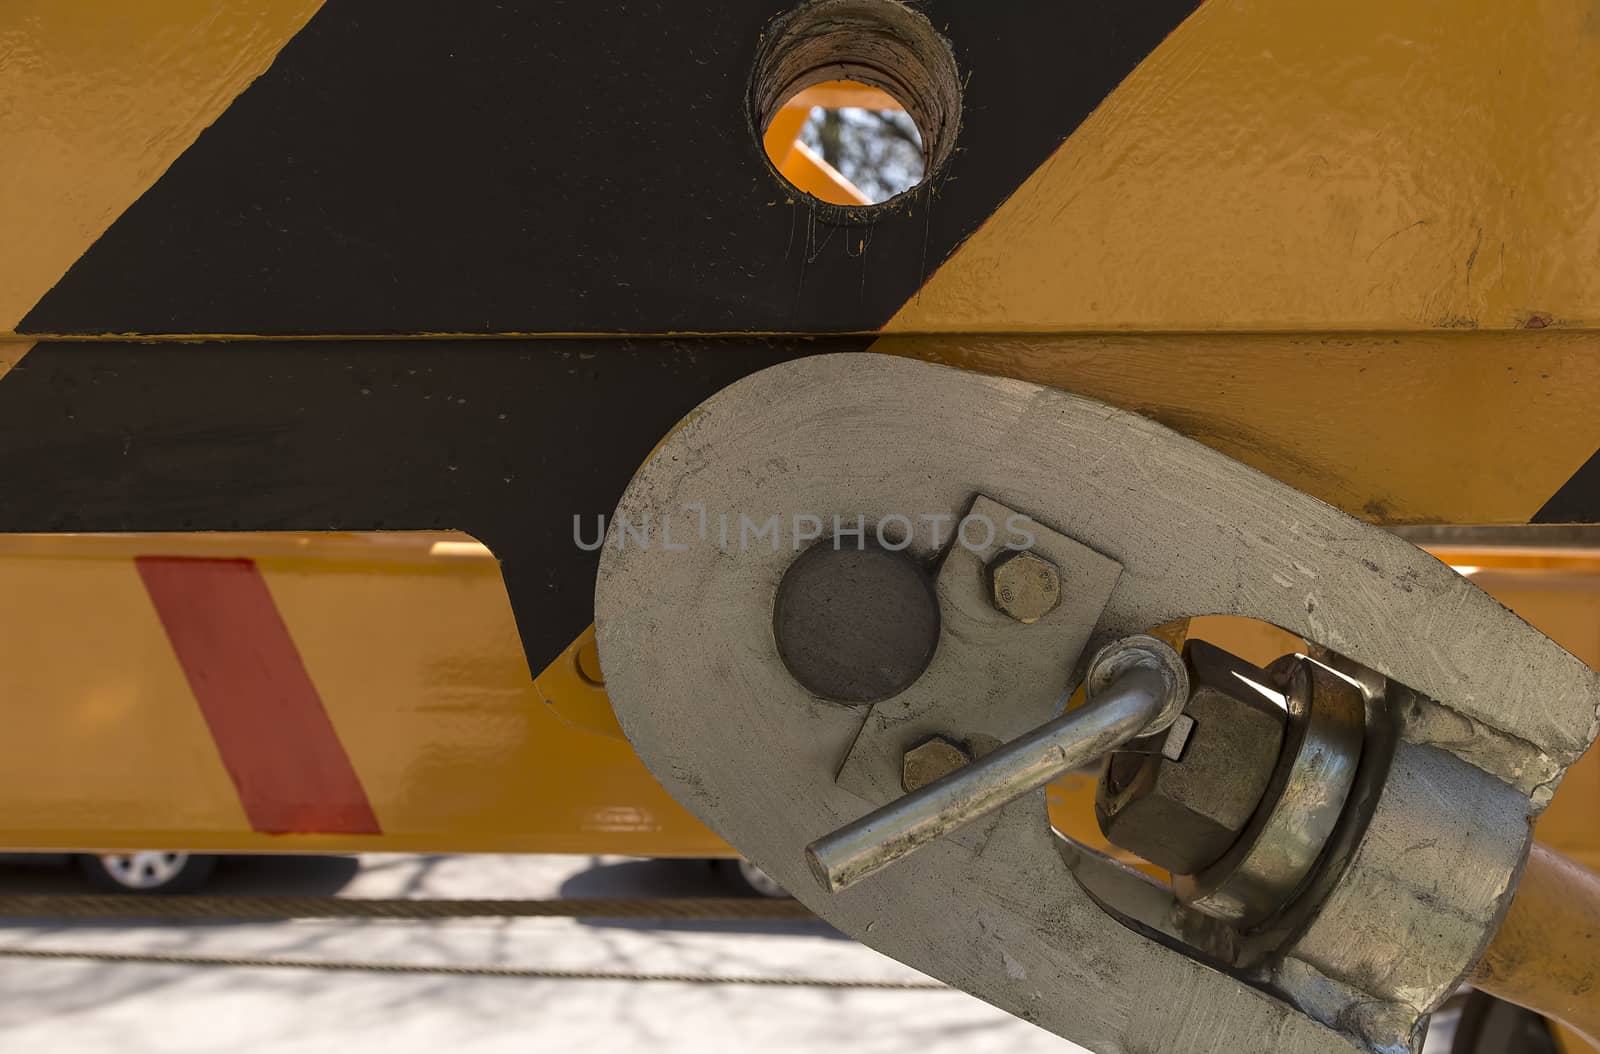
[
  {"x": 147, "y": 871},
  {"x": 748, "y": 880}
]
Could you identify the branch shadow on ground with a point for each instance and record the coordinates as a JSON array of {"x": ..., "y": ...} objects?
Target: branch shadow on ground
[{"x": 678, "y": 878}]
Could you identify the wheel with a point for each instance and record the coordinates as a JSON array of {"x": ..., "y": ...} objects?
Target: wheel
[
  {"x": 1490, "y": 1026},
  {"x": 148, "y": 871},
  {"x": 749, "y": 880}
]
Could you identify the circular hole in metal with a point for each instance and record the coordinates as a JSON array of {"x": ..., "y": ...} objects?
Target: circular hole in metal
[
  {"x": 878, "y": 87},
  {"x": 855, "y": 625}
]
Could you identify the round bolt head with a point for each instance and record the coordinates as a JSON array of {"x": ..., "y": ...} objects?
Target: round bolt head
[
  {"x": 1024, "y": 585},
  {"x": 929, "y": 761},
  {"x": 855, "y": 624}
]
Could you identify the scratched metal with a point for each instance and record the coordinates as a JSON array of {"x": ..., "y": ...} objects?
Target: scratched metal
[{"x": 686, "y": 643}]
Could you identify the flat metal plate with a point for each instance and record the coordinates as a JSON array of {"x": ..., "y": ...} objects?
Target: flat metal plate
[
  {"x": 1012, "y": 660},
  {"x": 687, "y": 648}
]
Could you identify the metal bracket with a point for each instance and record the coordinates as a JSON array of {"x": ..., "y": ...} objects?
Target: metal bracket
[
  {"x": 1476, "y": 715},
  {"x": 989, "y": 668}
]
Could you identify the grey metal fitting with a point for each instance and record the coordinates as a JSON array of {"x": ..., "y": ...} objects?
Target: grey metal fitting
[
  {"x": 930, "y": 760},
  {"x": 1184, "y": 813},
  {"x": 1134, "y": 685},
  {"x": 1024, "y": 585}
]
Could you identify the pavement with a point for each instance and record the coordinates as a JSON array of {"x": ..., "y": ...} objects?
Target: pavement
[{"x": 131, "y": 1008}]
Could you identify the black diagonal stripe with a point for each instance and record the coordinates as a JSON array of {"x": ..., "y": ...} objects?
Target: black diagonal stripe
[
  {"x": 1578, "y": 500},
  {"x": 562, "y": 166},
  {"x": 507, "y": 440},
  {"x": 490, "y": 167}
]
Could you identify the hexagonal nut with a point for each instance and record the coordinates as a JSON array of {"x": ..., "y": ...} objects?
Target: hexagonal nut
[
  {"x": 1024, "y": 585},
  {"x": 930, "y": 760},
  {"x": 1185, "y": 814}
]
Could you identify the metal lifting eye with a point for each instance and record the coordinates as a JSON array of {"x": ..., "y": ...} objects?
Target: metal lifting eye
[{"x": 1341, "y": 859}]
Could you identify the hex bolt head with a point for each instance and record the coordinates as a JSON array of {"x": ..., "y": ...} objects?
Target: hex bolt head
[
  {"x": 929, "y": 760},
  {"x": 1182, "y": 802},
  {"x": 1024, "y": 585}
]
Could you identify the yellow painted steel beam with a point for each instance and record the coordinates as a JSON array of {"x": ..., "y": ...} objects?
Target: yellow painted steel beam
[
  {"x": 11, "y": 353},
  {"x": 783, "y": 133},
  {"x": 1546, "y": 955},
  {"x": 99, "y": 100},
  {"x": 1356, "y": 166},
  {"x": 809, "y": 171},
  {"x": 1392, "y": 427},
  {"x": 409, "y": 643},
  {"x": 802, "y": 166},
  {"x": 1408, "y": 238}
]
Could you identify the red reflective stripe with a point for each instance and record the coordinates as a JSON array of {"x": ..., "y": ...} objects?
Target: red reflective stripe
[{"x": 268, "y": 721}]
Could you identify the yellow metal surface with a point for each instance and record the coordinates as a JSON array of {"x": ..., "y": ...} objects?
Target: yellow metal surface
[
  {"x": 11, "y": 353},
  {"x": 105, "y": 735},
  {"x": 1385, "y": 426},
  {"x": 1360, "y": 170},
  {"x": 574, "y": 688},
  {"x": 410, "y": 641},
  {"x": 1569, "y": 1041},
  {"x": 797, "y": 162},
  {"x": 808, "y": 171},
  {"x": 1546, "y": 955},
  {"x": 98, "y": 100},
  {"x": 1354, "y": 166},
  {"x": 783, "y": 132}
]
